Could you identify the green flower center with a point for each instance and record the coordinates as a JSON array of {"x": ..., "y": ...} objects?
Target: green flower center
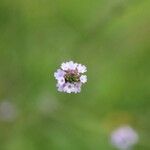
[{"x": 72, "y": 77}]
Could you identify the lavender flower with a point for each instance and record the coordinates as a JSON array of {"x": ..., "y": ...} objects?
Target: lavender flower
[
  {"x": 124, "y": 138},
  {"x": 69, "y": 77}
]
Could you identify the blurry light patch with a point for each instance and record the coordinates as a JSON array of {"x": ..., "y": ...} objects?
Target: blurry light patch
[
  {"x": 47, "y": 104},
  {"x": 124, "y": 138},
  {"x": 8, "y": 111}
]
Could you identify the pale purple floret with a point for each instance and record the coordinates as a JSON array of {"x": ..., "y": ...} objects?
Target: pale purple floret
[
  {"x": 77, "y": 88},
  {"x": 61, "y": 80},
  {"x": 81, "y": 68},
  {"x": 69, "y": 77},
  {"x": 60, "y": 88},
  {"x": 83, "y": 78},
  {"x": 59, "y": 73},
  {"x": 124, "y": 138},
  {"x": 68, "y": 88}
]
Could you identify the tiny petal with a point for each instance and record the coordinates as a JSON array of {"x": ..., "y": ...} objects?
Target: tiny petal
[
  {"x": 69, "y": 88},
  {"x": 61, "y": 80},
  {"x": 59, "y": 73},
  {"x": 83, "y": 78},
  {"x": 81, "y": 68},
  {"x": 65, "y": 66},
  {"x": 77, "y": 88},
  {"x": 72, "y": 65},
  {"x": 60, "y": 88}
]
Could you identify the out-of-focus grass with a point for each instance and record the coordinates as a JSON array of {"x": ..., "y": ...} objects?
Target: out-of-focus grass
[{"x": 110, "y": 37}]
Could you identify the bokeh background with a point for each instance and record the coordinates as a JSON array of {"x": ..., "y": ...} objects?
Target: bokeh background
[{"x": 112, "y": 38}]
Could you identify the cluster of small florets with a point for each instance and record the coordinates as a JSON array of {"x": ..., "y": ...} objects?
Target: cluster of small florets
[{"x": 69, "y": 77}]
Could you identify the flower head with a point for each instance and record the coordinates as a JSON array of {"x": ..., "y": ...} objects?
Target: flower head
[
  {"x": 124, "y": 138},
  {"x": 69, "y": 77}
]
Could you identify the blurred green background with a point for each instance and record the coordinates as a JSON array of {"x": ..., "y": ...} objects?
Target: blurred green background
[{"x": 112, "y": 38}]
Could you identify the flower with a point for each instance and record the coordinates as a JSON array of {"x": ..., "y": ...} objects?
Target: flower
[
  {"x": 83, "y": 78},
  {"x": 81, "y": 68},
  {"x": 124, "y": 138},
  {"x": 61, "y": 80},
  {"x": 59, "y": 73},
  {"x": 69, "y": 77}
]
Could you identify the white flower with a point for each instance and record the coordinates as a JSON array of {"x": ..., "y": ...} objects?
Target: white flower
[
  {"x": 69, "y": 66},
  {"x": 83, "y": 78},
  {"x": 72, "y": 65},
  {"x": 65, "y": 66},
  {"x": 69, "y": 77},
  {"x": 124, "y": 138},
  {"x": 81, "y": 68}
]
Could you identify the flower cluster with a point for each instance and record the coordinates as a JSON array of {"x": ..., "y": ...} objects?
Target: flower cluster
[
  {"x": 70, "y": 77},
  {"x": 124, "y": 138}
]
